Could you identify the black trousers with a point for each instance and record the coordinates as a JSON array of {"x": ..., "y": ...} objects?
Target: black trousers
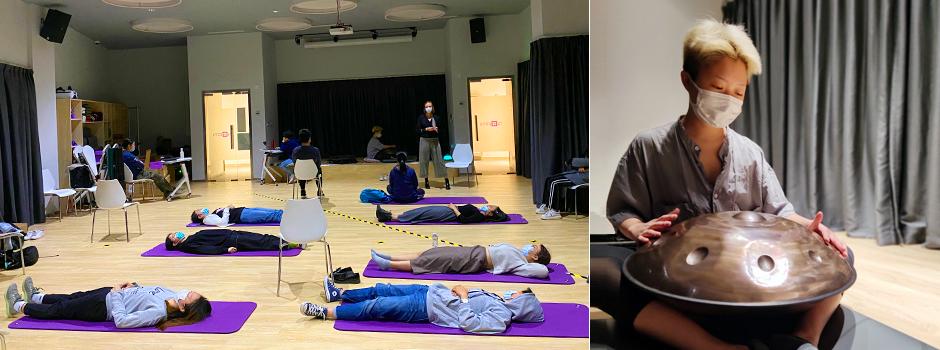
[
  {"x": 554, "y": 189},
  {"x": 82, "y": 306},
  {"x": 303, "y": 185},
  {"x": 250, "y": 241}
]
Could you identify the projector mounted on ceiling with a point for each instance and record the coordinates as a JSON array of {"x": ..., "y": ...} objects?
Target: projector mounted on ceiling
[
  {"x": 341, "y": 29},
  {"x": 362, "y": 37}
]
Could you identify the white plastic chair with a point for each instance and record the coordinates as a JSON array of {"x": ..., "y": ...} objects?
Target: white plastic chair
[
  {"x": 129, "y": 181},
  {"x": 110, "y": 196},
  {"x": 306, "y": 170},
  {"x": 303, "y": 222},
  {"x": 50, "y": 189},
  {"x": 463, "y": 159}
]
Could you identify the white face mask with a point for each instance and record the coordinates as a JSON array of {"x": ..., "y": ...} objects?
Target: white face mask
[
  {"x": 181, "y": 295},
  {"x": 428, "y": 109},
  {"x": 715, "y": 108}
]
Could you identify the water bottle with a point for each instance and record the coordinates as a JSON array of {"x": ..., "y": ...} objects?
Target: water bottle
[
  {"x": 181, "y": 152},
  {"x": 434, "y": 237}
]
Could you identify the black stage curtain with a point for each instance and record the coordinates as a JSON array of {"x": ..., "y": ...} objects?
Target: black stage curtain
[
  {"x": 341, "y": 113},
  {"x": 523, "y": 131},
  {"x": 848, "y": 110},
  {"x": 20, "y": 164},
  {"x": 558, "y": 101}
]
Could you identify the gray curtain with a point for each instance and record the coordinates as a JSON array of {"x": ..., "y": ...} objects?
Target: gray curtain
[
  {"x": 21, "y": 198},
  {"x": 848, "y": 110}
]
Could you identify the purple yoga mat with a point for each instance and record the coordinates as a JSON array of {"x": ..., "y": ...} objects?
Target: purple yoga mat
[
  {"x": 193, "y": 224},
  {"x": 513, "y": 219},
  {"x": 160, "y": 251},
  {"x": 226, "y": 317},
  {"x": 557, "y": 274},
  {"x": 562, "y": 320},
  {"x": 442, "y": 200}
]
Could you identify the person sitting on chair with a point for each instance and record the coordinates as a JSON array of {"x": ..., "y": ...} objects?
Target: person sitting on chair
[
  {"x": 236, "y": 215},
  {"x": 127, "y": 304},
  {"x": 403, "y": 182},
  {"x": 578, "y": 176},
  {"x": 501, "y": 258},
  {"x": 222, "y": 241},
  {"x": 376, "y": 151},
  {"x": 306, "y": 151},
  {"x": 464, "y": 214},
  {"x": 288, "y": 143},
  {"x": 471, "y": 310},
  {"x": 137, "y": 168}
]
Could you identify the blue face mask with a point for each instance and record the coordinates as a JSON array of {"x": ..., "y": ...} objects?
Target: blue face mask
[
  {"x": 205, "y": 211},
  {"x": 508, "y": 294},
  {"x": 180, "y": 235},
  {"x": 484, "y": 208},
  {"x": 526, "y": 249}
]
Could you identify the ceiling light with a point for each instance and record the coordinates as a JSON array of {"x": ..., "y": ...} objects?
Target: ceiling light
[
  {"x": 322, "y": 7},
  {"x": 414, "y": 13},
  {"x": 283, "y": 24},
  {"x": 162, "y": 25},
  {"x": 275, "y": 11},
  {"x": 143, "y": 4}
]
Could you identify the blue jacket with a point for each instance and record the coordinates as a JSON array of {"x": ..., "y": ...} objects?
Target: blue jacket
[
  {"x": 484, "y": 312},
  {"x": 133, "y": 163},
  {"x": 287, "y": 148},
  {"x": 403, "y": 187}
]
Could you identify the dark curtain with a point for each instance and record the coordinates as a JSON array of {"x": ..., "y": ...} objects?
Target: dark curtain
[
  {"x": 558, "y": 102},
  {"x": 20, "y": 163},
  {"x": 523, "y": 131},
  {"x": 848, "y": 110},
  {"x": 341, "y": 113}
]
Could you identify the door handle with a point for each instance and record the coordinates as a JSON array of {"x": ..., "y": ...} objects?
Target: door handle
[
  {"x": 231, "y": 136},
  {"x": 476, "y": 122}
]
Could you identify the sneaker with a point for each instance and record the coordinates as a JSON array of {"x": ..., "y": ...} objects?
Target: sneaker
[
  {"x": 382, "y": 214},
  {"x": 331, "y": 293},
  {"x": 303, "y": 197},
  {"x": 551, "y": 215},
  {"x": 29, "y": 289},
  {"x": 541, "y": 209},
  {"x": 427, "y": 184},
  {"x": 12, "y": 297},
  {"x": 446, "y": 184},
  {"x": 313, "y": 310}
]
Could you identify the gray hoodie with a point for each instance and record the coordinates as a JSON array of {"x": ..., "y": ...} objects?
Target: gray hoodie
[
  {"x": 484, "y": 313},
  {"x": 509, "y": 259},
  {"x": 137, "y": 307}
]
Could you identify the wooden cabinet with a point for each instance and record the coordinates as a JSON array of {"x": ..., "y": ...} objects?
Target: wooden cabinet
[{"x": 89, "y": 122}]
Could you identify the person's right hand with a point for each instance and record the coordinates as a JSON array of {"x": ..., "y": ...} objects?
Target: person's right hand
[
  {"x": 644, "y": 232},
  {"x": 232, "y": 250},
  {"x": 430, "y": 128},
  {"x": 460, "y": 291}
]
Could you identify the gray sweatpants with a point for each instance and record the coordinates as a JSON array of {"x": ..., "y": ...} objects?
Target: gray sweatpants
[{"x": 429, "y": 150}]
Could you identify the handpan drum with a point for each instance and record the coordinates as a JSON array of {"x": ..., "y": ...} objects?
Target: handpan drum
[{"x": 739, "y": 263}]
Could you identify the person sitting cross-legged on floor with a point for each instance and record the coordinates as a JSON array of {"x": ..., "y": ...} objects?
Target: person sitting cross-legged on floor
[
  {"x": 127, "y": 305},
  {"x": 236, "y": 215},
  {"x": 403, "y": 182},
  {"x": 222, "y": 241},
  {"x": 472, "y": 310},
  {"x": 502, "y": 258}
]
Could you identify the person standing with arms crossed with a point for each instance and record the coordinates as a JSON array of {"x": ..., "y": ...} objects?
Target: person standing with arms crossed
[{"x": 429, "y": 147}]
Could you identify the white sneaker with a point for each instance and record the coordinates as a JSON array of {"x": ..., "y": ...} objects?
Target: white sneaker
[
  {"x": 551, "y": 215},
  {"x": 541, "y": 209},
  {"x": 34, "y": 234}
]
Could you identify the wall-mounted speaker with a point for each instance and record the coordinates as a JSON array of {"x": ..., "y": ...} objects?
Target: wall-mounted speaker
[
  {"x": 55, "y": 25},
  {"x": 477, "y": 31}
]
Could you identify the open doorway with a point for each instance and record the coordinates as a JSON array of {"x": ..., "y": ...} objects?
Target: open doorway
[
  {"x": 492, "y": 125},
  {"x": 228, "y": 135}
]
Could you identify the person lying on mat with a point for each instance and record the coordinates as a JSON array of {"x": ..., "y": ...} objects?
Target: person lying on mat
[
  {"x": 127, "y": 304},
  {"x": 464, "y": 214},
  {"x": 501, "y": 258},
  {"x": 472, "y": 310},
  {"x": 221, "y": 241},
  {"x": 236, "y": 215},
  {"x": 403, "y": 182}
]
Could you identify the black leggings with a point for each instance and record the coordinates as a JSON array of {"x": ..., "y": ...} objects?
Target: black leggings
[{"x": 82, "y": 306}]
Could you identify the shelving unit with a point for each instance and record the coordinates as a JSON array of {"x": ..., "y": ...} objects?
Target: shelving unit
[{"x": 72, "y": 118}]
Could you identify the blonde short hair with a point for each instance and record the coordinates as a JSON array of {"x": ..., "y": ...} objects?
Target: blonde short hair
[
  {"x": 710, "y": 39},
  {"x": 376, "y": 129}
]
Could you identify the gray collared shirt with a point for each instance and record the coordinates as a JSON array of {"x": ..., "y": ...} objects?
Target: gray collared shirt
[{"x": 661, "y": 171}]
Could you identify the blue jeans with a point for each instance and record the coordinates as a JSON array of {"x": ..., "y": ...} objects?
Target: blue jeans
[
  {"x": 286, "y": 166},
  {"x": 260, "y": 215},
  {"x": 387, "y": 302}
]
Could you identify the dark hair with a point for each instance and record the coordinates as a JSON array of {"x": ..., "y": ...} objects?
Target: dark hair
[
  {"x": 125, "y": 143},
  {"x": 528, "y": 290},
  {"x": 544, "y": 256},
  {"x": 498, "y": 216},
  {"x": 402, "y": 159},
  {"x": 195, "y": 218},
  {"x": 287, "y": 134},
  {"x": 195, "y": 312},
  {"x": 304, "y": 135},
  {"x": 169, "y": 243}
]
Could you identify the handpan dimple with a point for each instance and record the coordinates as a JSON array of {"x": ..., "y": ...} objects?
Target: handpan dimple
[{"x": 739, "y": 262}]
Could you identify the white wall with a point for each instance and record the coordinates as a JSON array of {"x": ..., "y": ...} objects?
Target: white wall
[
  {"x": 424, "y": 55},
  {"x": 16, "y": 32},
  {"x": 635, "y": 57},
  {"x": 226, "y": 62},
  {"x": 84, "y": 66},
  {"x": 560, "y": 17},
  {"x": 269, "y": 70},
  {"x": 156, "y": 81}
]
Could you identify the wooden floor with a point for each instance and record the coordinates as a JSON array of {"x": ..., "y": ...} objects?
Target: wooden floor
[
  {"x": 897, "y": 285},
  {"x": 69, "y": 262}
]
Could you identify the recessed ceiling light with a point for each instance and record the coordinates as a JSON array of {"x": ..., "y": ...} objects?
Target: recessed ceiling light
[
  {"x": 143, "y": 4},
  {"x": 275, "y": 11},
  {"x": 283, "y": 24},
  {"x": 321, "y": 7},
  {"x": 414, "y": 13},
  {"x": 162, "y": 25}
]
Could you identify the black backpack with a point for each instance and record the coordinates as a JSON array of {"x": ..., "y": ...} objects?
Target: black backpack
[{"x": 11, "y": 257}]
